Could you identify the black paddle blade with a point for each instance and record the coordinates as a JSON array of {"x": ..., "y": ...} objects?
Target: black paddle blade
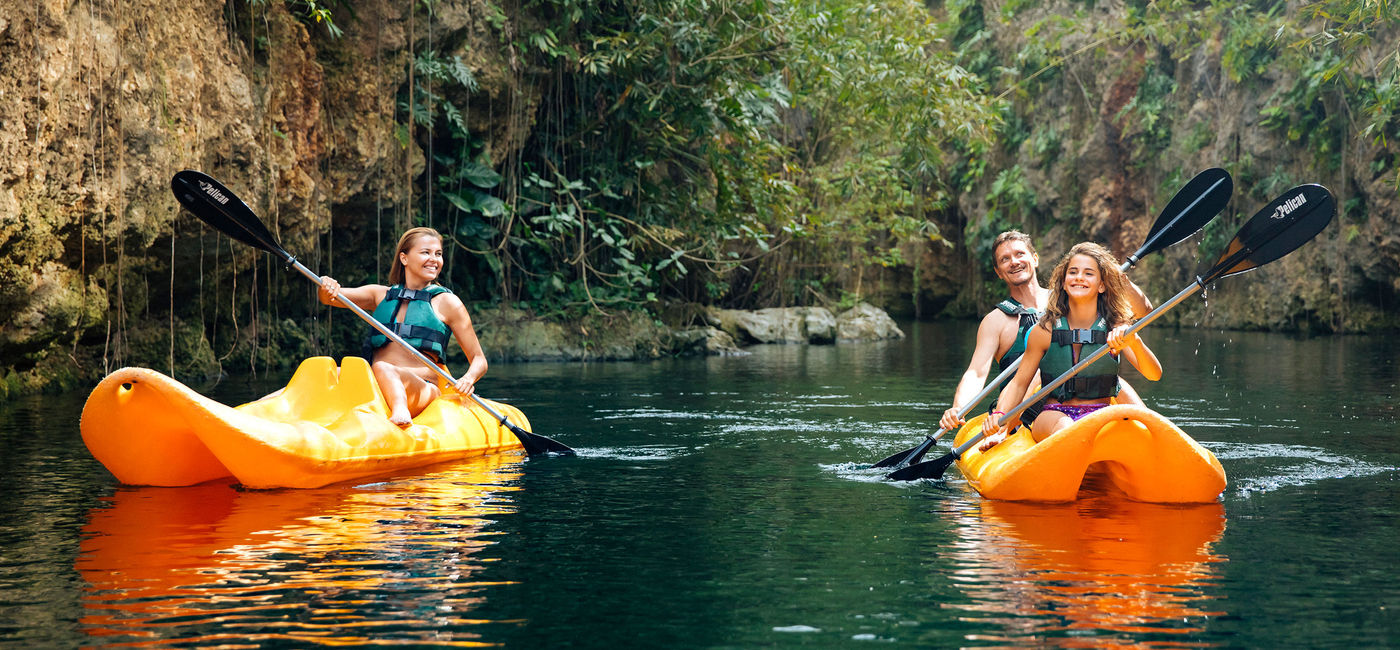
[
  {"x": 1194, "y": 205},
  {"x": 932, "y": 469},
  {"x": 1285, "y": 224},
  {"x": 536, "y": 444},
  {"x": 915, "y": 453},
  {"x": 219, "y": 207}
]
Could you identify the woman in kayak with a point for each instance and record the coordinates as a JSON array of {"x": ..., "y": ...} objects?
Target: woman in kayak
[
  {"x": 1087, "y": 309},
  {"x": 422, "y": 313}
]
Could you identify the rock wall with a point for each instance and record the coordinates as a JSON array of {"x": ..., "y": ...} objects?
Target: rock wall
[
  {"x": 1099, "y": 167},
  {"x": 101, "y": 102}
]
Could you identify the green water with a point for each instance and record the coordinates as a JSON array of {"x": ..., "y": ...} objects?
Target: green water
[{"x": 726, "y": 502}]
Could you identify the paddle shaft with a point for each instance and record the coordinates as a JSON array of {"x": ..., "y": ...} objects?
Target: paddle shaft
[
  {"x": 1147, "y": 247},
  {"x": 917, "y": 452},
  {"x": 1011, "y": 369},
  {"x": 384, "y": 329},
  {"x": 1279, "y": 228},
  {"x": 1194, "y": 205},
  {"x": 1083, "y": 363}
]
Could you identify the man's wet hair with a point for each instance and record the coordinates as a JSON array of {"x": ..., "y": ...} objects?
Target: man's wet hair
[{"x": 1011, "y": 235}]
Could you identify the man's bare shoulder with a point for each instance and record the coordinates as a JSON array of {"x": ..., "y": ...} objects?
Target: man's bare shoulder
[
  {"x": 997, "y": 320},
  {"x": 999, "y": 316}
]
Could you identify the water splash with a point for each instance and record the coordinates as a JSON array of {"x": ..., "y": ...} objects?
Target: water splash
[
  {"x": 634, "y": 453},
  {"x": 1285, "y": 466}
]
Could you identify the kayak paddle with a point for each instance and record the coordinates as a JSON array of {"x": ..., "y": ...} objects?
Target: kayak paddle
[
  {"x": 219, "y": 207},
  {"x": 1194, "y": 205},
  {"x": 1278, "y": 229}
]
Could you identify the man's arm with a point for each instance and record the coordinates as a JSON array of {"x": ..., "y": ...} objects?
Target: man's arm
[
  {"x": 975, "y": 377},
  {"x": 1138, "y": 300}
]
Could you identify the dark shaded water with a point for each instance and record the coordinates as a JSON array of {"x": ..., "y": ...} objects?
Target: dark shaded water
[{"x": 725, "y": 503}]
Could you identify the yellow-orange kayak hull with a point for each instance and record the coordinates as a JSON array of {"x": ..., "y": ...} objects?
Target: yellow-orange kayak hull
[
  {"x": 1142, "y": 453},
  {"x": 329, "y": 424}
]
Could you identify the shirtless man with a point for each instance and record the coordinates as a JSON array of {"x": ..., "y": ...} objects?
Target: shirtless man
[{"x": 1002, "y": 334}]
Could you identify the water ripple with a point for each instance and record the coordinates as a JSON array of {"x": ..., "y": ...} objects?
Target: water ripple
[{"x": 1267, "y": 467}]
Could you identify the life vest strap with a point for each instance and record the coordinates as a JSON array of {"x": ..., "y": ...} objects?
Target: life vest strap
[
  {"x": 427, "y": 334},
  {"x": 1025, "y": 316},
  {"x": 1099, "y": 386},
  {"x": 400, "y": 293},
  {"x": 1068, "y": 337}
]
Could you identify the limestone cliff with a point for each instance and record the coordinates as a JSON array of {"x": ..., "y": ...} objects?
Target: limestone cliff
[
  {"x": 1093, "y": 147},
  {"x": 100, "y": 103}
]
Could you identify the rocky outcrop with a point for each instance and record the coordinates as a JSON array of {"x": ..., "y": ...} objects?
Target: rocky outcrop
[
  {"x": 102, "y": 103},
  {"x": 509, "y": 334},
  {"x": 704, "y": 341},
  {"x": 864, "y": 322},
  {"x": 1095, "y": 146}
]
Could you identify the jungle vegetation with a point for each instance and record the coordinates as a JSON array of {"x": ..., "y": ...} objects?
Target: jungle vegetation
[{"x": 774, "y": 153}]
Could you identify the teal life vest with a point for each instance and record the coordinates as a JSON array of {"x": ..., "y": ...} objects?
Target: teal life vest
[
  {"x": 1097, "y": 381},
  {"x": 1026, "y": 318},
  {"x": 420, "y": 326}
]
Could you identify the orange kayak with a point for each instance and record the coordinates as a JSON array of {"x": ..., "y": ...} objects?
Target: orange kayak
[
  {"x": 329, "y": 424},
  {"x": 1142, "y": 453}
]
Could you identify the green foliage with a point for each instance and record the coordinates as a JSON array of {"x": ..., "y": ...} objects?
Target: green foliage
[
  {"x": 1199, "y": 138},
  {"x": 1349, "y": 31},
  {"x": 886, "y": 107},
  {"x": 1151, "y": 110},
  {"x": 1011, "y": 198},
  {"x": 315, "y": 12},
  {"x": 686, "y": 144},
  {"x": 763, "y": 152},
  {"x": 1303, "y": 115},
  {"x": 966, "y": 30},
  {"x": 1015, "y": 130},
  {"x": 1250, "y": 41},
  {"x": 1046, "y": 144}
]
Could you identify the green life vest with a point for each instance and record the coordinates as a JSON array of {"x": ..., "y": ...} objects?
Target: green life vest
[
  {"x": 1027, "y": 319},
  {"x": 1097, "y": 381},
  {"x": 420, "y": 325}
]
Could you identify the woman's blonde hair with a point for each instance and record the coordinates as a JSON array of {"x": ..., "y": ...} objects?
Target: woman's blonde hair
[
  {"x": 406, "y": 242},
  {"x": 1113, "y": 302}
]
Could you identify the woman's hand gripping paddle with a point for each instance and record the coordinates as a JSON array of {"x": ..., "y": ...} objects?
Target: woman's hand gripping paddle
[
  {"x": 1278, "y": 229},
  {"x": 1194, "y": 205},
  {"x": 219, "y": 207}
]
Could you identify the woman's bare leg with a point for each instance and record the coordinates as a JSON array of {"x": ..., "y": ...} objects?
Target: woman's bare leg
[
  {"x": 1127, "y": 395},
  {"x": 420, "y": 391},
  {"x": 391, "y": 384},
  {"x": 406, "y": 392},
  {"x": 1048, "y": 423}
]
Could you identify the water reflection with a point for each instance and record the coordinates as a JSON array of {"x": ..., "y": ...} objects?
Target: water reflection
[
  {"x": 390, "y": 562},
  {"x": 1101, "y": 571}
]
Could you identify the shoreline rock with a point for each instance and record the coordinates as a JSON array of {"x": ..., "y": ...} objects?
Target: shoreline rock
[
  {"x": 810, "y": 325},
  {"x": 514, "y": 335},
  {"x": 507, "y": 334}
]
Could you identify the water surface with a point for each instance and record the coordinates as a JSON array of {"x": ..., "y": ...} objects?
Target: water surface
[{"x": 727, "y": 502}]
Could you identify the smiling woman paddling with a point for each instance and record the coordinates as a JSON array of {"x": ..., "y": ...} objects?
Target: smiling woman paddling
[
  {"x": 1088, "y": 308},
  {"x": 423, "y": 313}
]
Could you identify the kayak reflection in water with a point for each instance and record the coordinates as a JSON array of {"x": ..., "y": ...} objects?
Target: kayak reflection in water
[
  {"x": 420, "y": 311},
  {"x": 1088, "y": 308}
]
